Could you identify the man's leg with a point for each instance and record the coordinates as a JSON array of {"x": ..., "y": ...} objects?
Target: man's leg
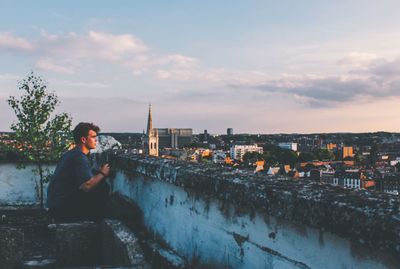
[
  {"x": 65, "y": 214},
  {"x": 95, "y": 202}
]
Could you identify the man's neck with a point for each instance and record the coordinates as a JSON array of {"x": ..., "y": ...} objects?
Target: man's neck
[{"x": 84, "y": 149}]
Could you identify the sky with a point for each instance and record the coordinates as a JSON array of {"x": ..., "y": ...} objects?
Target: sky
[{"x": 305, "y": 66}]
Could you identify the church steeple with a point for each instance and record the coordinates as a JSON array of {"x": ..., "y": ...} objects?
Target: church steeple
[
  {"x": 149, "y": 123},
  {"x": 150, "y": 140}
]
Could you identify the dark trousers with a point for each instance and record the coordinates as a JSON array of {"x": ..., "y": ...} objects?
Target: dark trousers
[{"x": 87, "y": 206}]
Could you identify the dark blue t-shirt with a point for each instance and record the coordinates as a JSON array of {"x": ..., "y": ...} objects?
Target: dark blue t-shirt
[{"x": 71, "y": 172}]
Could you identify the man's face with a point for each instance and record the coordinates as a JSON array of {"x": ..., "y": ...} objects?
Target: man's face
[{"x": 91, "y": 140}]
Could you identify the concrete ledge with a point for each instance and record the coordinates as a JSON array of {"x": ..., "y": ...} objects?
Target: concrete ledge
[
  {"x": 367, "y": 217},
  {"x": 109, "y": 243},
  {"x": 121, "y": 246},
  {"x": 11, "y": 247},
  {"x": 77, "y": 244}
]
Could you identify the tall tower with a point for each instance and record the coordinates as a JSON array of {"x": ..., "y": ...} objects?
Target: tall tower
[
  {"x": 149, "y": 123},
  {"x": 150, "y": 141}
]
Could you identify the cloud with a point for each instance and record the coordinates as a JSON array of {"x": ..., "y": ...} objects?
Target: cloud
[
  {"x": 125, "y": 50},
  {"x": 58, "y": 52},
  {"x": 93, "y": 45},
  {"x": 11, "y": 42},
  {"x": 162, "y": 74},
  {"x": 386, "y": 69},
  {"x": 95, "y": 85},
  {"x": 180, "y": 60},
  {"x": 357, "y": 59},
  {"x": 68, "y": 53},
  {"x": 375, "y": 79},
  {"x": 174, "y": 66},
  {"x": 48, "y": 65},
  {"x": 113, "y": 47},
  {"x": 9, "y": 77}
]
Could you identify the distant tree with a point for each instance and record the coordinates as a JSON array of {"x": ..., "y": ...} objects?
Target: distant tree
[
  {"x": 373, "y": 156},
  {"x": 271, "y": 154},
  {"x": 338, "y": 155},
  {"x": 270, "y": 159},
  {"x": 3, "y": 151},
  {"x": 288, "y": 157},
  {"x": 309, "y": 166},
  {"x": 251, "y": 157},
  {"x": 397, "y": 166},
  {"x": 39, "y": 136},
  {"x": 324, "y": 155},
  {"x": 359, "y": 159},
  {"x": 306, "y": 157}
]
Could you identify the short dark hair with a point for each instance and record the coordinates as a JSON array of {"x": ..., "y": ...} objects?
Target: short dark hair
[{"x": 82, "y": 130}]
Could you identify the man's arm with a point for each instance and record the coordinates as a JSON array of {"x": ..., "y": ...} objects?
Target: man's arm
[{"x": 96, "y": 179}]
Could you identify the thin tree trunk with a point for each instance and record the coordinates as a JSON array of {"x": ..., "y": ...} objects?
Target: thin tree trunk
[{"x": 40, "y": 184}]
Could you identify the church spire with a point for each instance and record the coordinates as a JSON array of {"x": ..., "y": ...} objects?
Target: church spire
[{"x": 149, "y": 123}]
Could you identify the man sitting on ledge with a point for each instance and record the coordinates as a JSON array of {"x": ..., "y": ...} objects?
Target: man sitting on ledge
[{"x": 74, "y": 192}]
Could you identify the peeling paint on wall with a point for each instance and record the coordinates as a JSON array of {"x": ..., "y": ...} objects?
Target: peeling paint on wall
[
  {"x": 18, "y": 186},
  {"x": 199, "y": 230},
  {"x": 278, "y": 223}
]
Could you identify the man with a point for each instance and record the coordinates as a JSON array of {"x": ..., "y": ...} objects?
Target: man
[{"x": 74, "y": 192}]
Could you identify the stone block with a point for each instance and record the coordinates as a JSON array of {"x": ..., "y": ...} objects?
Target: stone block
[
  {"x": 77, "y": 243},
  {"x": 11, "y": 247},
  {"x": 121, "y": 246}
]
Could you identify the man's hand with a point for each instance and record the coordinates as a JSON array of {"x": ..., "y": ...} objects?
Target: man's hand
[
  {"x": 96, "y": 179},
  {"x": 105, "y": 169}
]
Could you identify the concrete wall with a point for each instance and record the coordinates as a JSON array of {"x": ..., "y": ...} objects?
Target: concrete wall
[
  {"x": 228, "y": 218},
  {"x": 18, "y": 186},
  {"x": 216, "y": 217}
]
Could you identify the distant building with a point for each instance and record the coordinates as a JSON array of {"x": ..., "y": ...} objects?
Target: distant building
[
  {"x": 174, "y": 137},
  {"x": 150, "y": 139},
  {"x": 273, "y": 170},
  {"x": 237, "y": 151},
  {"x": 229, "y": 131},
  {"x": 219, "y": 156},
  {"x": 352, "y": 178},
  {"x": 331, "y": 146},
  {"x": 347, "y": 152},
  {"x": 291, "y": 146},
  {"x": 327, "y": 175},
  {"x": 389, "y": 183},
  {"x": 260, "y": 165},
  {"x": 205, "y": 136}
]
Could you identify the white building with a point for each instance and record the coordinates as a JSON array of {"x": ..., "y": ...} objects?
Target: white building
[
  {"x": 291, "y": 146},
  {"x": 237, "y": 151},
  {"x": 219, "y": 156},
  {"x": 273, "y": 171}
]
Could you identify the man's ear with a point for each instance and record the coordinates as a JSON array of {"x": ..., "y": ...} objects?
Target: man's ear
[{"x": 83, "y": 140}]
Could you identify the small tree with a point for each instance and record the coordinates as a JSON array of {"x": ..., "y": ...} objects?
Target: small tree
[
  {"x": 39, "y": 137},
  {"x": 251, "y": 158}
]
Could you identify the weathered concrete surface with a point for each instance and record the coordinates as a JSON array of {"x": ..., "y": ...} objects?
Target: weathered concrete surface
[
  {"x": 158, "y": 254},
  {"x": 365, "y": 218},
  {"x": 77, "y": 244},
  {"x": 27, "y": 241},
  {"x": 121, "y": 246},
  {"x": 11, "y": 252},
  {"x": 32, "y": 222},
  {"x": 19, "y": 186},
  {"x": 39, "y": 263}
]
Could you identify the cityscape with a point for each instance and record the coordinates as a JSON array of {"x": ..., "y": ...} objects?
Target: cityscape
[{"x": 349, "y": 160}]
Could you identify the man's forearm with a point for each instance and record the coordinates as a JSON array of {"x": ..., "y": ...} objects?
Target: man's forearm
[{"x": 92, "y": 182}]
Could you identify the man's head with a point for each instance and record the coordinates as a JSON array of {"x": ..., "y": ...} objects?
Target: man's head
[{"x": 85, "y": 134}]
